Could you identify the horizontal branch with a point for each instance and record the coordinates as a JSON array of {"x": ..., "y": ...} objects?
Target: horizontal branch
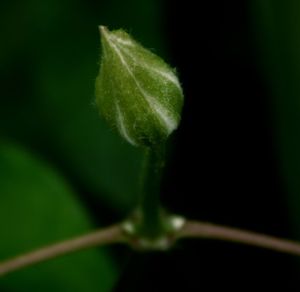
[
  {"x": 110, "y": 235},
  {"x": 194, "y": 229},
  {"x": 116, "y": 234}
]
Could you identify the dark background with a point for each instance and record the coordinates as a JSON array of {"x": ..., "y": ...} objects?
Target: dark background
[
  {"x": 226, "y": 167},
  {"x": 234, "y": 159}
]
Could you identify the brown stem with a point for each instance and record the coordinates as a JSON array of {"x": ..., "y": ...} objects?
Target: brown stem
[
  {"x": 109, "y": 235},
  {"x": 194, "y": 229},
  {"x": 115, "y": 234}
]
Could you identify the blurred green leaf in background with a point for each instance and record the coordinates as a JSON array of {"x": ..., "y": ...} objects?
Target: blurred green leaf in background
[
  {"x": 277, "y": 28},
  {"x": 49, "y": 62},
  {"x": 37, "y": 207},
  {"x": 49, "y": 58}
]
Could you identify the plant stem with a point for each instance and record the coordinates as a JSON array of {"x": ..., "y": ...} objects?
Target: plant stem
[
  {"x": 151, "y": 215},
  {"x": 194, "y": 229},
  {"x": 113, "y": 234}
]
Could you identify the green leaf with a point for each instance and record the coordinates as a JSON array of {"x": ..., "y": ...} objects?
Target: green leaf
[
  {"x": 277, "y": 25},
  {"x": 38, "y": 208},
  {"x": 136, "y": 91},
  {"x": 53, "y": 60}
]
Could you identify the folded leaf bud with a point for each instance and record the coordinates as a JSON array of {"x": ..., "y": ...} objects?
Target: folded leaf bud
[{"x": 136, "y": 91}]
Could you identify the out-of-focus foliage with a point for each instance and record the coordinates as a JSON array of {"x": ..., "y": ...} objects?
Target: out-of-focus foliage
[
  {"x": 277, "y": 26},
  {"x": 49, "y": 61},
  {"x": 49, "y": 57},
  {"x": 37, "y": 207}
]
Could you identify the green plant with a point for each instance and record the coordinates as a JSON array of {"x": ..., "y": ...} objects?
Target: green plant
[{"x": 145, "y": 118}]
